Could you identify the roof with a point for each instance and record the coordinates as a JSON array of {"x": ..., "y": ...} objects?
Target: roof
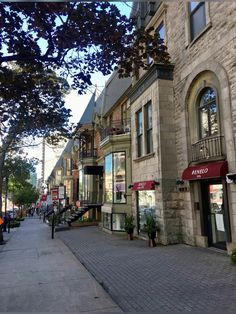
[
  {"x": 113, "y": 91},
  {"x": 88, "y": 112}
]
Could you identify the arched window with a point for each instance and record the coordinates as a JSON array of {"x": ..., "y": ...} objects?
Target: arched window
[{"x": 208, "y": 113}]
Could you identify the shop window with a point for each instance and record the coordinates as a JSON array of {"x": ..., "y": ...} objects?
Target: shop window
[
  {"x": 208, "y": 113},
  {"x": 146, "y": 205},
  {"x": 107, "y": 221},
  {"x": 197, "y": 16},
  {"x": 108, "y": 178},
  {"x": 115, "y": 178},
  {"x": 118, "y": 222},
  {"x": 139, "y": 120},
  {"x": 148, "y": 116}
]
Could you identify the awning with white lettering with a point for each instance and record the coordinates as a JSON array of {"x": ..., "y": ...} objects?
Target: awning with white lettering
[
  {"x": 206, "y": 171},
  {"x": 143, "y": 185}
]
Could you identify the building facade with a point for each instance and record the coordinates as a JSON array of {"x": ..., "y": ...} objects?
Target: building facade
[{"x": 183, "y": 123}]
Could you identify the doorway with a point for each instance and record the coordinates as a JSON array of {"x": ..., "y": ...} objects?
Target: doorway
[{"x": 214, "y": 212}]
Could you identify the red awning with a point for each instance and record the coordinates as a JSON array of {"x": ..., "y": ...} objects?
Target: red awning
[
  {"x": 206, "y": 171},
  {"x": 143, "y": 185}
]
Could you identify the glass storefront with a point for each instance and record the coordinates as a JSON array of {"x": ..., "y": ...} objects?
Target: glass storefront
[
  {"x": 146, "y": 205},
  {"x": 217, "y": 215},
  {"x": 114, "y": 222},
  {"x": 115, "y": 178}
]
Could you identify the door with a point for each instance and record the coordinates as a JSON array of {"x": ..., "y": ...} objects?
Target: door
[{"x": 214, "y": 211}]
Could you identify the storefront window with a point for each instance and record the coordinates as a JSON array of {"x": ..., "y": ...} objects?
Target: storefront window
[
  {"x": 107, "y": 221},
  {"x": 81, "y": 184},
  {"x": 119, "y": 177},
  {"x": 115, "y": 178},
  {"x": 146, "y": 205},
  {"x": 108, "y": 178},
  {"x": 118, "y": 222}
]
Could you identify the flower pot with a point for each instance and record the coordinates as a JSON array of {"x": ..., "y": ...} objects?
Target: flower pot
[
  {"x": 130, "y": 236},
  {"x": 152, "y": 242}
]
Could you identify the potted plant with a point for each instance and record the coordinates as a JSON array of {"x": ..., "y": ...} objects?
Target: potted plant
[
  {"x": 129, "y": 226},
  {"x": 151, "y": 228}
]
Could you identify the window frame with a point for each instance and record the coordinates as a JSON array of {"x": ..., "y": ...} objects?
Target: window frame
[
  {"x": 200, "y": 95},
  {"x": 148, "y": 129},
  {"x": 113, "y": 178},
  {"x": 139, "y": 133},
  {"x": 191, "y": 15}
]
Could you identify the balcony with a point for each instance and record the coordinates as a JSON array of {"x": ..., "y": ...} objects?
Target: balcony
[
  {"x": 115, "y": 128},
  {"x": 89, "y": 153},
  {"x": 211, "y": 148},
  {"x": 91, "y": 198}
]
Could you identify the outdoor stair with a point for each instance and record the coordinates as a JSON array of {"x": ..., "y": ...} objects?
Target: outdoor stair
[{"x": 75, "y": 216}]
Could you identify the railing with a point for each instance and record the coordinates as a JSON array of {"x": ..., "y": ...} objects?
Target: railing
[
  {"x": 88, "y": 153},
  {"x": 91, "y": 198},
  {"x": 115, "y": 128},
  {"x": 208, "y": 148}
]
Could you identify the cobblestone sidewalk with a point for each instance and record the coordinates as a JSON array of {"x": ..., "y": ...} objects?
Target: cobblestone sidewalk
[{"x": 172, "y": 278}]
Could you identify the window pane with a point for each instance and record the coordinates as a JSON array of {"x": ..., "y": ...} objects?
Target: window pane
[
  {"x": 108, "y": 178},
  {"x": 197, "y": 21},
  {"x": 161, "y": 31},
  {"x": 119, "y": 177},
  {"x": 118, "y": 222},
  {"x": 204, "y": 122},
  {"x": 140, "y": 145},
  {"x": 149, "y": 142},
  {"x": 146, "y": 205},
  {"x": 213, "y": 119},
  {"x": 107, "y": 221},
  {"x": 193, "y": 5},
  {"x": 139, "y": 123}
]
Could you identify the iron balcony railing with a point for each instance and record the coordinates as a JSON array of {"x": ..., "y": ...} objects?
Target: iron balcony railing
[
  {"x": 91, "y": 197},
  {"x": 88, "y": 153},
  {"x": 208, "y": 148},
  {"x": 115, "y": 128}
]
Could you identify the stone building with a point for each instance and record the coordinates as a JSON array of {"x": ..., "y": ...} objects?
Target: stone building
[{"x": 183, "y": 122}]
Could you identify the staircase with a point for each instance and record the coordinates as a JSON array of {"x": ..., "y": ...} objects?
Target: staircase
[{"x": 76, "y": 215}]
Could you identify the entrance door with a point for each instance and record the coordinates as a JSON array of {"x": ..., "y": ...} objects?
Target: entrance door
[{"x": 214, "y": 212}]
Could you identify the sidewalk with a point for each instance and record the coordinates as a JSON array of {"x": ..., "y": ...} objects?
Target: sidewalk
[
  {"x": 40, "y": 274},
  {"x": 174, "y": 278}
]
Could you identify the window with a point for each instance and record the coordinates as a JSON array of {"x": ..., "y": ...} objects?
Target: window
[
  {"x": 146, "y": 205},
  {"x": 149, "y": 141},
  {"x": 68, "y": 166},
  {"x": 144, "y": 143},
  {"x": 208, "y": 116},
  {"x": 161, "y": 31},
  {"x": 197, "y": 18},
  {"x": 119, "y": 177},
  {"x": 108, "y": 178},
  {"x": 115, "y": 178},
  {"x": 139, "y": 133}
]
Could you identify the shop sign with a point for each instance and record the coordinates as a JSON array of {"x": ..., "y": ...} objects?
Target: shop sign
[
  {"x": 54, "y": 194},
  {"x": 143, "y": 185},
  {"x": 206, "y": 171}
]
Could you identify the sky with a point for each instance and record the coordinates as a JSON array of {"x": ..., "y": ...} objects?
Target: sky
[{"x": 77, "y": 104}]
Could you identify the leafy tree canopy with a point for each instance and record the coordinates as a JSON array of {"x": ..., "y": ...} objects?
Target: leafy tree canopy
[{"x": 75, "y": 38}]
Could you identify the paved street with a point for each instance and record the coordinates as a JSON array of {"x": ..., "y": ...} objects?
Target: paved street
[
  {"x": 40, "y": 274},
  {"x": 174, "y": 278}
]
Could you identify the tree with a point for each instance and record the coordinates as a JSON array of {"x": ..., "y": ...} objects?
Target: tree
[
  {"x": 75, "y": 38},
  {"x": 32, "y": 105},
  {"x": 25, "y": 195}
]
